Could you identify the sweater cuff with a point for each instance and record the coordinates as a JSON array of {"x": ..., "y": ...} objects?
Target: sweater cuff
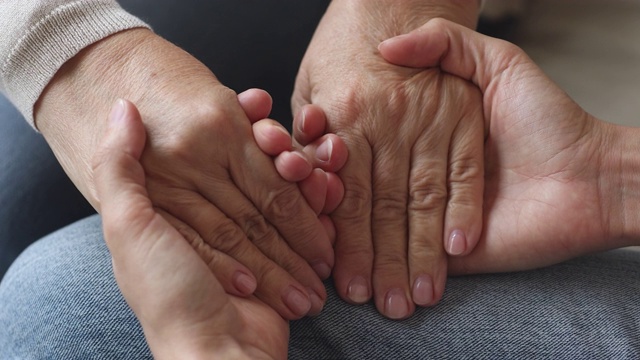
[{"x": 52, "y": 41}]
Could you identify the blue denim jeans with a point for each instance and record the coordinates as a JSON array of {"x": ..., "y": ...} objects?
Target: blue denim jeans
[{"x": 59, "y": 300}]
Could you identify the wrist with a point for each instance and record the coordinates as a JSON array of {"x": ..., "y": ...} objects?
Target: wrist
[
  {"x": 195, "y": 348},
  {"x": 136, "y": 65},
  {"x": 620, "y": 175},
  {"x": 403, "y": 16},
  {"x": 71, "y": 110}
]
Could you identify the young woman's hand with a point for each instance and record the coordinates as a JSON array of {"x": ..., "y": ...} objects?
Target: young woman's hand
[
  {"x": 183, "y": 309},
  {"x": 559, "y": 182}
]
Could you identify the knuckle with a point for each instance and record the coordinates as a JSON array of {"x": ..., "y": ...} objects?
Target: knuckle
[
  {"x": 268, "y": 273},
  {"x": 347, "y": 101},
  {"x": 226, "y": 237},
  {"x": 390, "y": 261},
  {"x": 390, "y": 206},
  {"x": 358, "y": 248},
  {"x": 426, "y": 250},
  {"x": 98, "y": 160},
  {"x": 510, "y": 50},
  {"x": 207, "y": 252},
  {"x": 427, "y": 197},
  {"x": 282, "y": 202},
  {"x": 208, "y": 123},
  {"x": 356, "y": 203},
  {"x": 465, "y": 170},
  {"x": 257, "y": 229}
]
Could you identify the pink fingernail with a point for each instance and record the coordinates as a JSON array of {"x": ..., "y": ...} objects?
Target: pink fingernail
[
  {"x": 423, "y": 290},
  {"x": 323, "y": 270},
  {"x": 392, "y": 40},
  {"x": 395, "y": 304},
  {"x": 457, "y": 243},
  {"x": 358, "y": 290},
  {"x": 323, "y": 152},
  {"x": 296, "y": 301},
  {"x": 316, "y": 303},
  {"x": 244, "y": 283},
  {"x": 303, "y": 121},
  {"x": 117, "y": 112}
]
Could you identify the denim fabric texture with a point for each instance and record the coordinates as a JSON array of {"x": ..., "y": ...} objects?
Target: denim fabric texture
[{"x": 59, "y": 300}]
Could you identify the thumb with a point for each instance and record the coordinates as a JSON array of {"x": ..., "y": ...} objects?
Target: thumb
[
  {"x": 119, "y": 178},
  {"x": 455, "y": 49},
  {"x": 154, "y": 265}
]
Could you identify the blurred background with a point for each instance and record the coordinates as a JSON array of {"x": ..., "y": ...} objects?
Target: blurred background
[{"x": 591, "y": 48}]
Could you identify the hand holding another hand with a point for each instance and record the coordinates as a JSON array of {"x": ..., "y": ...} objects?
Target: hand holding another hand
[
  {"x": 204, "y": 171},
  {"x": 414, "y": 178},
  {"x": 559, "y": 182},
  {"x": 183, "y": 309}
]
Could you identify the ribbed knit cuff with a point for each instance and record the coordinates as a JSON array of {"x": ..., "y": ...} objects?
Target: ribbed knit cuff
[{"x": 52, "y": 41}]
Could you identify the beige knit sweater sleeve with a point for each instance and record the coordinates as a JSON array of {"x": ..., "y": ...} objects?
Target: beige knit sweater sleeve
[{"x": 38, "y": 36}]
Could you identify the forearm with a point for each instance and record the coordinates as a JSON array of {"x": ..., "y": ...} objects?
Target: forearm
[
  {"x": 72, "y": 109},
  {"x": 136, "y": 65},
  {"x": 39, "y": 36}
]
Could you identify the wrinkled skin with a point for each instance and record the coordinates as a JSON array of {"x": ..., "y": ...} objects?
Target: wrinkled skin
[
  {"x": 556, "y": 186},
  {"x": 414, "y": 178},
  {"x": 183, "y": 309},
  {"x": 205, "y": 173}
]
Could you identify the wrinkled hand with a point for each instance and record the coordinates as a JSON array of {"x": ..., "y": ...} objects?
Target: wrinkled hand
[
  {"x": 307, "y": 165},
  {"x": 414, "y": 178},
  {"x": 550, "y": 180},
  {"x": 183, "y": 309},
  {"x": 204, "y": 172}
]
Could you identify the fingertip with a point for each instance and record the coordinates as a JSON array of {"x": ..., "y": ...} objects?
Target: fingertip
[
  {"x": 297, "y": 301},
  {"x": 456, "y": 243},
  {"x": 309, "y": 124},
  {"x": 423, "y": 47},
  {"x": 256, "y": 103},
  {"x": 339, "y": 153},
  {"x": 271, "y": 137},
  {"x": 395, "y": 49},
  {"x": 244, "y": 283},
  {"x": 462, "y": 242},
  {"x": 317, "y": 304},
  {"x": 292, "y": 166},
  {"x": 125, "y": 129}
]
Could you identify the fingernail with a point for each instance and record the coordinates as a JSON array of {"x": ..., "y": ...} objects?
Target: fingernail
[
  {"x": 423, "y": 290},
  {"x": 323, "y": 152},
  {"x": 302, "y": 122},
  {"x": 296, "y": 301},
  {"x": 244, "y": 283},
  {"x": 392, "y": 40},
  {"x": 316, "y": 303},
  {"x": 457, "y": 243},
  {"x": 358, "y": 290},
  {"x": 323, "y": 270},
  {"x": 117, "y": 111},
  {"x": 395, "y": 305},
  {"x": 281, "y": 130}
]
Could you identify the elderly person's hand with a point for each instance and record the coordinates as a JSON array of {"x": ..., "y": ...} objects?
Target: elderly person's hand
[
  {"x": 560, "y": 183},
  {"x": 183, "y": 309},
  {"x": 205, "y": 173},
  {"x": 414, "y": 179}
]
